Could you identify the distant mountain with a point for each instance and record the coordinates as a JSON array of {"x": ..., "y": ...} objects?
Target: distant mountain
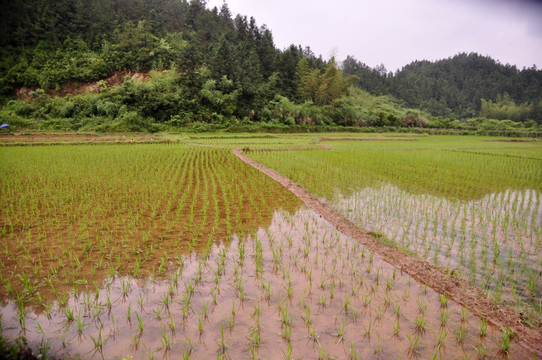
[
  {"x": 229, "y": 68},
  {"x": 461, "y": 86}
]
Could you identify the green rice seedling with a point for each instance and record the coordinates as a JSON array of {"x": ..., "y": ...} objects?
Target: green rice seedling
[
  {"x": 460, "y": 334},
  {"x": 313, "y": 335},
  {"x": 483, "y": 327},
  {"x": 165, "y": 340},
  {"x": 322, "y": 300},
  {"x": 464, "y": 314},
  {"x": 222, "y": 346},
  {"x": 290, "y": 289},
  {"x": 504, "y": 345},
  {"x": 190, "y": 346},
  {"x": 171, "y": 323},
  {"x": 379, "y": 347},
  {"x": 69, "y": 314},
  {"x": 253, "y": 352},
  {"x": 200, "y": 325},
  {"x": 442, "y": 335},
  {"x": 379, "y": 312},
  {"x": 340, "y": 331},
  {"x": 396, "y": 327},
  {"x": 158, "y": 313},
  {"x": 307, "y": 316},
  {"x": 415, "y": 345},
  {"x": 422, "y": 305},
  {"x": 346, "y": 303},
  {"x": 443, "y": 300},
  {"x": 97, "y": 310},
  {"x": 40, "y": 328},
  {"x": 367, "y": 300},
  {"x": 420, "y": 324},
  {"x": 482, "y": 351},
  {"x": 322, "y": 354},
  {"x": 444, "y": 316},
  {"x": 405, "y": 295},
  {"x": 140, "y": 323},
  {"x": 125, "y": 287},
  {"x": 80, "y": 324},
  {"x": 257, "y": 316},
  {"x": 254, "y": 337},
  {"x": 353, "y": 354},
  {"x": 397, "y": 309},
  {"x": 267, "y": 289},
  {"x": 367, "y": 329},
  {"x": 288, "y": 353},
  {"x": 98, "y": 341},
  {"x": 287, "y": 330}
]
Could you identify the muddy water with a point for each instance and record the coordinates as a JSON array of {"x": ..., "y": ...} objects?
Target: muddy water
[
  {"x": 299, "y": 273},
  {"x": 493, "y": 240}
]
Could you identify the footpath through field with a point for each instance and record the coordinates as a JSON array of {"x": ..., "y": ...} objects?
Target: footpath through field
[{"x": 455, "y": 287}]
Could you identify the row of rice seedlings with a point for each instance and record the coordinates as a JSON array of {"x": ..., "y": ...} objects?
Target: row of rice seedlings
[
  {"x": 484, "y": 226},
  {"x": 254, "y": 141},
  {"x": 451, "y": 174},
  {"x": 296, "y": 289},
  {"x": 73, "y": 216},
  {"x": 494, "y": 241}
]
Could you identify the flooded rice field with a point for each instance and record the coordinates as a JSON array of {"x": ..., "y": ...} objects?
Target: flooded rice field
[
  {"x": 295, "y": 289},
  {"x": 494, "y": 241}
]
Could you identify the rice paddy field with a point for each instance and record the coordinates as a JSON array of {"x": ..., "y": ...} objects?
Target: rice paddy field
[{"x": 172, "y": 247}]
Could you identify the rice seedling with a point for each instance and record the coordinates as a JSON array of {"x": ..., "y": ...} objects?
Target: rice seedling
[
  {"x": 165, "y": 340},
  {"x": 396, "y": 327},
  {"x": 139, "y": 322},
  {"x": 340, "y": 331},
  {"x": 420, "y": 324},
  {"x": 98, "y": 341},
  {"x": 222, "y": 346},
  {"x": 504, "y": 345},
  {"x": 442, "y": 335},
  {"x": 415, "y": 345},
  {"x": 460, "y": 334},
  {"x": 483, "y": 327},
  {"x": 444, "y": 317}
]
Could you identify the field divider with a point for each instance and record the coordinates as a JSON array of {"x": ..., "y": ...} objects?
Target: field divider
[{"x": 439, "y": 279}]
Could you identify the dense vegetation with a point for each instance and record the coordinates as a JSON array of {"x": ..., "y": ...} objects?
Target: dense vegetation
[
  {"x": 213, "y": 70},
  {"x": 463, "y": 86}
]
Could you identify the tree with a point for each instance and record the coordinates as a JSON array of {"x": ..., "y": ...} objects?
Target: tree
[{"x": 322, "y": 88}]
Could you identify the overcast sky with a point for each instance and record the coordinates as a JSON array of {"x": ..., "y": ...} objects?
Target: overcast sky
[{"x": 397, "y": 32}]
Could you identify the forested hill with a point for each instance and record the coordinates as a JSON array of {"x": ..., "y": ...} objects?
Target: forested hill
[
  {"x": 465, "y": 85},
  {"x": 206, "y": 66}
]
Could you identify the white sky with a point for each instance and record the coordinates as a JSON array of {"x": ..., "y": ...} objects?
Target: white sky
[{"x": 397, "y": 32}]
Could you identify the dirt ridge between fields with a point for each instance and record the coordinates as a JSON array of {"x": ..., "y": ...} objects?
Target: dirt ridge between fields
[{"x": 456, "y": 288}]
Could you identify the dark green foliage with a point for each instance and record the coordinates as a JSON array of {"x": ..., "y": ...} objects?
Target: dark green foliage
[
  {"x": 466, "y": 85},
  {"x": 209, "y": 69}
]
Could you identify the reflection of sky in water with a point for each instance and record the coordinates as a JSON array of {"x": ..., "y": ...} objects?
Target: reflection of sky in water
[
  {"x": 494, "y": 238},
  {"x": 294, "y": 252}
]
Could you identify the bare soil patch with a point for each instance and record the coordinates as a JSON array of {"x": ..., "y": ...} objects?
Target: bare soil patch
[
  {"x": 75, "y": 88},
  {"x": 442, "y": 281},
  {"x": 367, "y": 139},
  {"x": 515, "y": 140},
  {"x": 49, "y": 139}
]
